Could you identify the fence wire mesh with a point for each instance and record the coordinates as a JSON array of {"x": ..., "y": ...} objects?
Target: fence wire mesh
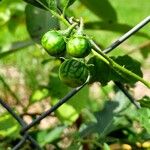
[{"x": 26, "y": 127}]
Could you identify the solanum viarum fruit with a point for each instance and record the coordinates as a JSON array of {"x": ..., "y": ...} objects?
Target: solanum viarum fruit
[
  {"x": 54, "y": 43},
  {"x": 78, "y": 46},
  {"x": 73, "y": 72}
]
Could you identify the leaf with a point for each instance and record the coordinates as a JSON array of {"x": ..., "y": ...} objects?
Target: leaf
[
  {"x": 102, "y": 8},
  {"x": 103, "y": 73},
  {"x": 67, "y": 3},
  {"x": 99, "y": 71},
  {"x": 52, "y": 5},
  {"x": 111, "y": 118},
  {"x": 113, "y": 26},
  {"x": 8, "y": 126},
  {"x": 145, "y": 102},
  {"x": 104, "y": 123},
  {"x": 106, "y": 146},
  {"x": 144, "y": 118},
  {"x": 39, "y": 22},
  {"x": 66, "y": 113},
  {"x": 130, "y": 64},
  {"x": 36, "y": 4},
  {"x": 57, "y": 88},
  {"x": 45, "y": 137},
  {"x": 81, "y": 100},
  {"x": 39, "y": 95}
]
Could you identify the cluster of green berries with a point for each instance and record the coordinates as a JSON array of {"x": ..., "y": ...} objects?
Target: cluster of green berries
[{"x": 72, "y": 71}]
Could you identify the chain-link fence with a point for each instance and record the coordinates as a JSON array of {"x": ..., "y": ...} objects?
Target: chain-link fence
[{"x": 25, "y": 127}]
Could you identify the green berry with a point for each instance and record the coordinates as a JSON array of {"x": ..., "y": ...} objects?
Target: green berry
[
  {"x": 78, "y": 46},
  {"x": 54, "y": 43},
  {"x": 73, "y": 73}
]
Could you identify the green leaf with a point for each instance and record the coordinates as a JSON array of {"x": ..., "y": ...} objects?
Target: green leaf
[
  {"x": 97, "y": 71},
  {"x": 36, "y": 4},
  {"x": 106, "y": 146},
  {"x": 145, "y": 102},
  {"x": 81, "y": 100},
  {"x": 104, "y": 124},
  {"x": 8, "y": 126},
  {"x": 108, "y": 119},
  {"x": 144, "y": 118},
  {"x": 67, "y": 4},
  {"x": 39, "y": 22},
  {"x": 56, "y": 88},
  {"x": 102, "y": 8},
  {"x": 130, "y": 64},
  {"x": 52, "y": 4},
  {"x": 39, "y": 95},
  {"x": 45, "y": 137},
  {"x": 66, "y": 113},
  {"x": 103, "y": 73}
]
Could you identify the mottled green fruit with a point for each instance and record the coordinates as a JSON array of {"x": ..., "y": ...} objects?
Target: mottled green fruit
[
  {"x": 73, "y": 72},
  {"x": 78, "y": 46},
  {"x": 54, "y": 43}
]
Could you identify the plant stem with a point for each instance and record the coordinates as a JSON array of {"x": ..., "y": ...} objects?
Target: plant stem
[
  {"x": 60, "y": 17},
  {"x": 80, "y": 30},
  {"x": 116, "y": 66},
  {"x": 68, "y": 31}
]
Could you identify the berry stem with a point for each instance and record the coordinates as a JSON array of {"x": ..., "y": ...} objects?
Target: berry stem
[
  {"x": 80, "y": 29},
  {"x": 68, "y": 31}
]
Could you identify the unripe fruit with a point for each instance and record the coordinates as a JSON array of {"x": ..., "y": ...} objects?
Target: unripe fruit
[
  {"x": 78, "y": 46},
  {"x": 73, "y": 73},
  {"x": 54, "y": 43}
]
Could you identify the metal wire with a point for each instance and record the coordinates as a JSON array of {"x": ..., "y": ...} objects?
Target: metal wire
[
  {"x": 52, "y": 109},
  {"x": 25, "y": 127},
  {"x": 21, "y": 143},
  {"x": 20, "y": 121},
  {"x": 127, "y": 35},
  {"x": 130, "y": 97}
]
